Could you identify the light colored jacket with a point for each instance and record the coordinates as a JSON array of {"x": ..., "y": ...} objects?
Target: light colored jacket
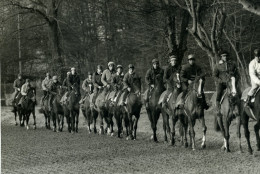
[
  {"x": 25, "y": 88},
  {"x": 46, "y": 84},
  {"x": 107, "y": 77},
  {"x": 254, "y": 71}
]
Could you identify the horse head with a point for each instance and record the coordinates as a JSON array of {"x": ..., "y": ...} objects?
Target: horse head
[
  {"x": 137, "y": 85},
  {"x": 31, "y": 94},
  {"x": 232, "y": 90}
]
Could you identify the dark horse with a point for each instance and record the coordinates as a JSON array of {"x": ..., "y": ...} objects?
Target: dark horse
[
  {"x": 57, "y": 111},
  {"x": 71, "y": 109},
  {"x": 254, "y": 113},
  {"x": 169, "y": 111},
  {"x": 27, "y": 108},
  {"x": 15, "y": 109},
  {"x": 46, "y": 111},
  {"x": 154, "y": 109},
  {"x": 230, "y": 109},
  {"x": 132, "y": 108},
  {"x": 103, "y": 112},
  {"x": 192, "y": 110},
  {"x": 89, "y": 112}
]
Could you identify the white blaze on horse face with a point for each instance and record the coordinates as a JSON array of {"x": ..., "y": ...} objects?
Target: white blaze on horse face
[
  {"x": 233, "y": 83},
  {"x": 200, "y": 86}
]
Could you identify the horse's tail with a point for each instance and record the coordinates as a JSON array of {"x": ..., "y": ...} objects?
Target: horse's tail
[{"x": 216, "y": 125}]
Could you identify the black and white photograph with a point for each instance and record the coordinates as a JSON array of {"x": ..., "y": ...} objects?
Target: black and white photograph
[{"x": 130, "y": 86}]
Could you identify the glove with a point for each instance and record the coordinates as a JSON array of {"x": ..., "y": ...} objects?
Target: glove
[
  {"x": 152, "y": 85},
  {"x": 189, "y": 82},
  {"x": 178, "y": 85},
  {"x": 99, "y": 87},
  {"x": 18, "y": 89},
  {"x": 129, "y": 89}
]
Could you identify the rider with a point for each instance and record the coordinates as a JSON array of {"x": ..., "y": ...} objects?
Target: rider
[
  {"x": 24, "y": 90},
  {"x": 190, "y": 73},
  {"x": 128, "y": 82},
  {"x": 45, "y": 86},
  {"x": 17, "y": 86},
  {"x": 53, "y": 89},
  {"x": 171, "y": 70},
  {"x": 224, "y": 71},
  {"x": 254, "y": 73},
  {"x": 98, "y": 85},
  {"x": 87, "y": 87},
  {"x": 117, "y": 81},
  {"x": 74, "y": 80},
  {"x": 65, "y": 81},
  {"x": 107, "y": 75},
  {"x": 150, "y": 78}
]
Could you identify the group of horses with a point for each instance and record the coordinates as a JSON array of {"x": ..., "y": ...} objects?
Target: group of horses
[{"x": 105, "y": 108}]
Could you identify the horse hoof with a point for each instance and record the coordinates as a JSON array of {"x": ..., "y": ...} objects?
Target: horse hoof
[
  {"x": 186, "y": 145},
  {"x": 193, "y": 149},
  {"x": 54, "y": 130},
  {"x": 203, "y": 146},
  {"x": 34, "y": 127},
  {"x": 250, "y": 151},
  {"x": 112, "y": 134},
  {"x": 227, "y": 150},
  {"x": 27, "y": 127},
  {"x": 151, "y": 137},
  {"x": 223, "y": 148},
  {"x": 16, "y": 124},
  {"x": 127, "y": 138}
]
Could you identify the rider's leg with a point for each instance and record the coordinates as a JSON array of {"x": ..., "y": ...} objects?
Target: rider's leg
[
  {"x": 220, "y": 88},
  {"x": 251, "y": 93},
  {"x": 205, "y": 105},
  {"x": 184, "y": 88}
]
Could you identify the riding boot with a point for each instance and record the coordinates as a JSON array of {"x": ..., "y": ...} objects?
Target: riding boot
[
  {"x": 248, "y": 98},
  {"x": 205, "y": 105},
  {"x": 218, "y": 108}
]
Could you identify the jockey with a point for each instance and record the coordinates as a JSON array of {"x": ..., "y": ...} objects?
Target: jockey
[
  {"x": 150, "y": 78},
  {"x": 128, "y": 82},
  {"x": 17, "y": 86},
  {"x": 73, "y": 79},
  {"x": 190, "y": 73},
  {"x": 24, "y": 90},
  {"x": 65, "y": 81},
  {"x": 53, "y": 89},
  {"x": 98, "y": 85},
  {"x": 87, "y": 87},
  {"x": 107, "y": 75},
  {"x": 117, "y": 81},
  {"x": 254, "y": 73},
  {"x": 45, "y": 86},
  {"x": 223, "y": 73},
  {"x": 170, "y": 71}
]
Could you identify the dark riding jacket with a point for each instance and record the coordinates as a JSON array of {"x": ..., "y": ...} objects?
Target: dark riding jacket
[
  {"x": 224, "y": 71},
  {"x": 169, "y": 74},
  {"x": 18, "y": 83},
  {"x": 129, "y": 79},
  {"x": 117, "y": 81},
  {"x": 54, "y": 86},
  {"x": 74, "y": 79},
  {"x": 191, "y": 72},
  {"x": 88, "y": 86},
  {"x": 151, "y": 74}
]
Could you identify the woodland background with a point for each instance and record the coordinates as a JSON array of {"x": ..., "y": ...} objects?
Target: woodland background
[{"x": 37, "y": 36}]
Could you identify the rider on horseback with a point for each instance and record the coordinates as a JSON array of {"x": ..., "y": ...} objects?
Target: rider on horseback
[
  {"x": 53, "y": 90},
  {"x": 150, "y": 78},
  {"x": 107, "y": 75},
  {"x": 224, "y": 71},
  {"x": 45, "y": 86},
  {"x": 65, "y": 81},
  {"x": 128, "y": 82},
  {"x": 170, "y": 71},
  {"x": 87, "y": 87},
  {"x": 24, "y": 90},
  {"x": 254, "y": 72},
  {"x": 17, "y": 86},
  {"x": 117, "y": 82},
  {"x": 98, "y": 85},
  {"x": 190, "y": 73}
]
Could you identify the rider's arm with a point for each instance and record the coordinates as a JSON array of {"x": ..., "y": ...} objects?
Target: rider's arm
[
  {"x": 15, "y": 85},
  {"x": 183, "y": 74},
  {"x": 125, "y": 80},
  {"x": 148, "y": 77},
  {"x": 23, "y": 90},
  {"x": 103, "y": 78},
  {"x": 44, "y": 87}
]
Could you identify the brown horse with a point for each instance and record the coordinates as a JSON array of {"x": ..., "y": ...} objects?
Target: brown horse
[
  {"x": 16, "y": 110},
  {"x": 230, "y": 109},
  {"x": 57, "y": 111},
  {"x": 192, "y": 110},
  {"x": 169, "y": 110},
  {"x": 89, "y": 112},
  {"x": 154, "y": 109},
  {"x": 45, "y": 110},
  {"x": 27, "y": 108},
  {"x": 132, "y": 108},
  {"x": 254, "y": 113},
  {"x": 103, "y": 112}
]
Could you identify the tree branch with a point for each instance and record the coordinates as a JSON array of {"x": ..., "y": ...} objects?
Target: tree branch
[{"x": 250, "y": 6}]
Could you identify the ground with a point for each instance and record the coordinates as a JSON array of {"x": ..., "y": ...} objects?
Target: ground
[{"x": 44, "y": 151}]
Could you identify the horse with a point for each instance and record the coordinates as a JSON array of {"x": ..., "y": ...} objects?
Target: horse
[
  {"x": 72, "y": 110},
  {"x": 253, "y": 112},
  {"x": 103, "y": 111},
  {"x": 89, "y": 112},
  {"x": 16, "y": 110},
  {"x": 169, "y": 110},
  {"x": 230, "y": 109},
  {"x": 192, "y": 110},
  {"x": 57, "y": 111},
  {"x": 154, "y": 109},
  {"x": 46, "y": 111},
  {"x": 27, "y": 108},
  {"x": 132, "y": 108}
]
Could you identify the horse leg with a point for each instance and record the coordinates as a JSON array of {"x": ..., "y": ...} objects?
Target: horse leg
[
  {"x": 27, "y": 117},
  {"x": 94, "y": 121},
  {"x": 15, "y": 115},
  {"x": 174, "y": 121},
  {"x": 227, "y": 136},
  {"x": 238, "y": 121},
  {"x": 203, "y": 144},
  {"x": 256, "y": 128},
  {"x": 165, "y": 119},
  {"x": 72, "y": 121},
  {"x": 192, "y": 132},
  {"x": 101, "y": 131},
  {"x": 34, "y": 119},
  {"x": 119, "y": 124},
  {"x": 130, "y": 117},
  {"x": 77, "y": 121},
  {"x": 135, "y": 125},
  {"x": 53, "y": 116},
  {"x": 245, "y": 120},
  {"x": 68, "y": 122},
  {"x": 111, "y": 124},
  {"x": 222, "y": 129}
]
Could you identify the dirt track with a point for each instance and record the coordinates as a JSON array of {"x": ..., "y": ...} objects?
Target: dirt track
[{"x": 44, "y": 151}]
